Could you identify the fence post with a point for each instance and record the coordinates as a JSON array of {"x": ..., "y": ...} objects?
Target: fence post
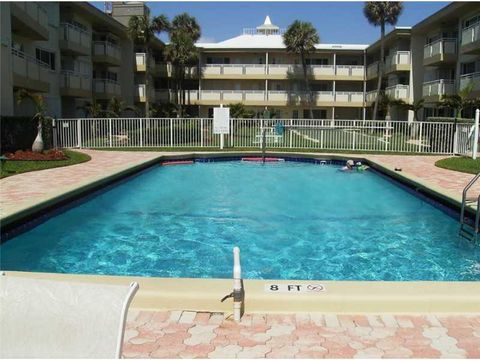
[
  {"x": 171, "y": 132},
  {"x": 54, "y": 132},
  {"x": 110, "y": 136},
  {"x": 79, "y": 133},
  {"x": 201, "y": 132},
  {"x": 354, "y": 123},
  {"x": 291, "y": 133},
  {"x": 141, "y": 132},
  {"x": 420, "y": 138},
  {"x": 475, "y": 135},
  {"x": 455, "y": 138}
]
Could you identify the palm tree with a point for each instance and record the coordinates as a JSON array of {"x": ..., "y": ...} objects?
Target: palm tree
[
  {"x": 181, "y": 51},
  {"x": 40, "y": 115},
  {"x": 416, "y": 106},
  {"x": 116, "y": 107},
  {"x": 458, "y": 102},
  {"x": 238, "y": 111},
  {"x": 92, "y": 109},
  {"x": 300, "y": 39},
  {"x": 380, "y": 13},
  {"x": 142, "y": 30}
]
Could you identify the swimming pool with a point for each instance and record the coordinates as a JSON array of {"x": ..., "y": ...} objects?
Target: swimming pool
[{"x": 291, "y": 220}]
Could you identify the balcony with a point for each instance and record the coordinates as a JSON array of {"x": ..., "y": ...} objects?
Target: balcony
[
  {"x": 141, "y": 62},
  {"x": 471, "y": 39},
  {"x": 398, "y": 92},
  {"x": 348, "y": 98},
  {"x": 282, "y": 71},
  {"x": 29, "y": 73},
  {"x": 29, "y": 20},
  {"x": 433, "y": 91},
  {"x": 106, "y": 88},
  {"x": 74, "y": 40},
  {"x": 370, "y": 96},
  {"x": 398, "y": 61},
  {"x": 74, "y": 84},
  {"x": 372, "y": 70},
  {"x": 472, "y": 78},
  {"x": 442, "y": 51},
  {"x": 107, "y": 53}
]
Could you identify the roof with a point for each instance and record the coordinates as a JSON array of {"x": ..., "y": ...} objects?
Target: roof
[
  {"x": 398, "y": 31},
  {"x": 260, "y": 41},
  {"x": 450, "y": 12}
]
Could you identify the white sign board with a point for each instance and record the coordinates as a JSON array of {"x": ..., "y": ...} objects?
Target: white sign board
[
  {"x": 295, "y": 288},
  {"x": 221, "y": 120}
]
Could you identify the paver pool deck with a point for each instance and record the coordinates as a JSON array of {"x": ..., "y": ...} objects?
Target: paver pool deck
[
  {"x": 22, "y": 190},
  {"x": 188, "y": 334}
]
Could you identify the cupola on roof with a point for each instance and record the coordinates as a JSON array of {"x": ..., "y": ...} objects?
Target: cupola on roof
[{"x": 267, "y": 27}]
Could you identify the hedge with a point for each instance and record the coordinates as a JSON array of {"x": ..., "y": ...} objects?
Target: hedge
[{"x": 19, "y": 132}]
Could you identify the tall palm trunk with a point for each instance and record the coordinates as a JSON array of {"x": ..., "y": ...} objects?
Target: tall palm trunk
[
  {"x": 380, "y": 68},
  {"x": 147, "y": 101},
  {"x": 307, "y": 85}
]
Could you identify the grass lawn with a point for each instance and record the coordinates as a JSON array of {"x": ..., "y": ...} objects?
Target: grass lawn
[
  {"x": 462, "y": 164},
  {"x": 12, "y": 167}
]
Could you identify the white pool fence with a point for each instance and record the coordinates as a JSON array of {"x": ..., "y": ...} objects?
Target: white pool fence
[{"x": 347, "y": 135}]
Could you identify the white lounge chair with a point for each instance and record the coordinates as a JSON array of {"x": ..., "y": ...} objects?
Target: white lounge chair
[{"x": 58, "y": 319}]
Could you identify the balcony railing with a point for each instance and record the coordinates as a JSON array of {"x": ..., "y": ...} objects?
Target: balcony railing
[
  {"x": 398, "y": 92},
  {"x": 275, "y": 96},
  {"x": 282, "y": 69},
  {"x": 472, "y": 78},
  {"x": 33, "y": 10},
  {"x": 471, "y": 34},
  {"x": 397, "y": 58},
  {"x": 106, "y": 48},
  {"x": 75, "y": 34},
  {"x": 439, "y": 47},
  {"x": 372, "y": 69},
  {"x": 76, "y": 81},
  {"x": 106, "y": 86},
  {"x": 29, "y": 67},
  {"x": 438, "y": 87},
  {"x": 371, "y": 96}
]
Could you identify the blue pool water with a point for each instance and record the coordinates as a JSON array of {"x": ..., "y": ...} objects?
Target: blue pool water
[{"x": 290, "y": 220}]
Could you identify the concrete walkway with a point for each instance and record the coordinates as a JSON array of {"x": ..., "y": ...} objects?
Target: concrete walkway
[{"x": 188, "y": 334}]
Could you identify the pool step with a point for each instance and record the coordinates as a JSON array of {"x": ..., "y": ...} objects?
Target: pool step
[
  {"x": 468, "y": 234},
  {"x": 467, "y": 230}
]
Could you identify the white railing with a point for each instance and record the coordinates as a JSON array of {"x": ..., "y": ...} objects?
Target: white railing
[
  {"x": 33, "y": 10},
  {"x": 372, "y": 69},
  {"x": 438, "y": 87},
  {"x": 29, "y": 67},
  {"x": 282, "y": 69},
  {"x": 471, "y": 34},
  {"x": 371, "y": 96},
  {"x": 398, "y": 92},
  {"x": 470, "y": 78},
  {"x": 397, "y": 58},
  {"x": 464, "y": 139},
  {"x": 75, "y": 34},
  {"x": 328, "y": 134},
  {"x": 106, "y": 48},
  {"x": 73, "y": 80},
  {"x": 106, "y": 86},
  {"x": 440, "y": 46},
  {"x": 140, "y": 58}
]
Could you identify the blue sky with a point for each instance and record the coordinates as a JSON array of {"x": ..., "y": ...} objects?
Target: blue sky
[{"x": 336, "y": 22}]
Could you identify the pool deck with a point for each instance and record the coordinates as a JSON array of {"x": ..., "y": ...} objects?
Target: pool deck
[
  {"x": 22, "y": 191},
  {"x": 188, "y": 334}
]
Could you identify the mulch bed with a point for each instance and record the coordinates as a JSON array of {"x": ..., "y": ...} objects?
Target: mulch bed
[{"x": 37, "y": 156}]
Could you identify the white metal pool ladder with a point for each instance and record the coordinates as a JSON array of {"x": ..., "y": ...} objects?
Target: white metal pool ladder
[{"x": 466, "y": 229}]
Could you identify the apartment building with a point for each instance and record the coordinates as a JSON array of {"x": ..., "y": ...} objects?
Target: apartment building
[
  {"x": 256, "y": 70},
  {"x": 70, "y": 52},
  {"x": 73, "y": 53},
  {"x": 397, "y": 72},
  {"x": 446, "y": 56}
]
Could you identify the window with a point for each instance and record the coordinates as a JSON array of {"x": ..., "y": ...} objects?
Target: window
[
  {"x": 317, "y": 113},
  {"x": 46, "y": 57},
  {"x": 226, "y": 60},
  {"x": 316, "y": 61},
  {"x": 468, "y": 68},
  {"x": 209, "y": 60},
  {"x": 295, "y": 114},
  {"x": 471, "y": 21}
]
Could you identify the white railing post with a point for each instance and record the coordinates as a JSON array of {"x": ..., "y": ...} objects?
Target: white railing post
[
  {"x": 455, "y": 138},
  {"x": 171, "y": 132},
  {"x": 291, "y": 133},
  {"x": 141, "y": 132},
  {"x": 79, "y": 133},
  {"x": 110, "y": 135},
  {"x": 237, "y": 285},
  {"x": 201, "y": 132},
  {"x": 475, "y": 135}
]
